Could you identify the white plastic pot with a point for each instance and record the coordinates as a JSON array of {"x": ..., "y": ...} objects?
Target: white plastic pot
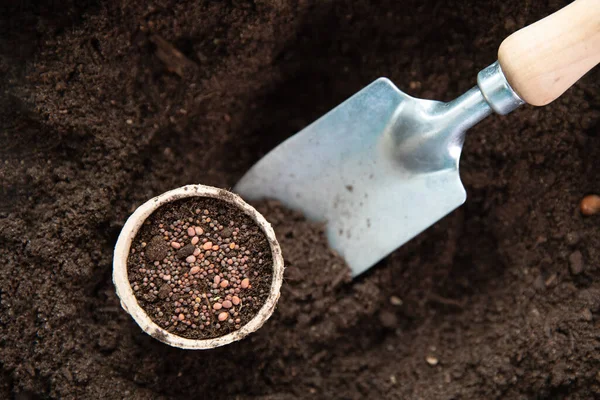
[{"x": 125, "y": 292}]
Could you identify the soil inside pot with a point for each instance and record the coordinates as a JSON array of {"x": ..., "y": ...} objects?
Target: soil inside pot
[
  {"x": 95, "y": 120},
  {"x": 200, "y": 267}
]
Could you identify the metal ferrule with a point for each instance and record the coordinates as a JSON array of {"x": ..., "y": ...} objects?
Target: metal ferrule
[{"x": 497, "y": 91}]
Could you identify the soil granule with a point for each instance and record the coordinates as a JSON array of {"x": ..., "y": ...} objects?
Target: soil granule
[
  {"x": 107, "y": 103},
  {"x": 230, "y": 249}
]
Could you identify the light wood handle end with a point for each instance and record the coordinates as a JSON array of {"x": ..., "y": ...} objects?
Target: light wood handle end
[{"x": 543, "y": 60}]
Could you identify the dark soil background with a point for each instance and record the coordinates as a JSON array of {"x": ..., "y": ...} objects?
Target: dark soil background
[{"x": 104, "y": 104}]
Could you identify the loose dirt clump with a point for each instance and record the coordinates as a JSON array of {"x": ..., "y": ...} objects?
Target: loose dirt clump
[{"x": 105, "y": 104}]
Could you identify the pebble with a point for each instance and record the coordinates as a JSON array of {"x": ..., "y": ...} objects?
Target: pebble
[
  {"x": 175, "y": 245},
  {"x": 235, "y": 300},
  {"x": 190, "y": 259},
  {"x": 166, "y": 277},
  {"x": 198, "y": 231},
  {"x": 207, "y": 246},
  {"x": 227, "y": 304},
  {"x": 395, "y": 301},
  {"x": 576, "y": 262},
  {"x": 191, "y": 231},
  {"x": 181, "y": 317},
  {"x": 194, "y": 270},
  {"x": 217, "y": 279},
  {"x": 431, "y": 360},
  {"x": 195, "y": 240},
  {"x": 223, "y": 316},
  {"x": 217, "y": 306},
  {"x": 196, "y": 252},
  {"x": 245, "y": 283},
  {"x": 224, "y": 283},
  {"x": 590, "y": 204}
]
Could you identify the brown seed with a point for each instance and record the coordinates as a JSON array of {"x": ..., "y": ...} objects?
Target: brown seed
[
  {"x": 224, "y": 283},
  {"x": 181, "y": 317},
  {"x": 195, "y": 240},
  {"x": 194, "y": 270},
  {"x": 235, "y": 300},
  {"x": 245, "y": 283},
  {"x": 175, "y": 245},
  {"x": 207, "y": 246},
  {"x": 590, "y": 204},
  {"x": 191, "y": 231},
  {"x": 217, "y": 306},
  {"x": 223, "y": 316},
  {"x": 190, "y": 259},
  {"x": 227, "y": 304}
]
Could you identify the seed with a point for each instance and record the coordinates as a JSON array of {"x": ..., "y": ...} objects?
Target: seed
[
  {"x": 175, "y": 245},
  {"x": 590, "y": 204},
  {"x": 195, "y": 240},
  {"x": 245, "y": 283},
  {"x": 224, "y": 283},
  {"x": 223, "y": 316},
  {"x": 190, "y": 259},
  {"x": 227, "y": 304},
  {"x": 235, "y": 300},
  {"x": 207, "y": 246}
]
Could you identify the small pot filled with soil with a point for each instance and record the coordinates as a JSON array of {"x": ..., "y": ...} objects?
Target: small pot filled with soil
[{"x": 197, "y": 267}]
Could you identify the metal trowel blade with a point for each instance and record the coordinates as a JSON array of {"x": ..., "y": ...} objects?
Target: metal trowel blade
[{"x": 378, "y": 169}]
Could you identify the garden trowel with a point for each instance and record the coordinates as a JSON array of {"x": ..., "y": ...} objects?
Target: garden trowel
[{"x": 383, "y": 166}]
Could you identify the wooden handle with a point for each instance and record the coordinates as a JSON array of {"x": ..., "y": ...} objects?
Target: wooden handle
[{"x": 543, "y": 60}]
